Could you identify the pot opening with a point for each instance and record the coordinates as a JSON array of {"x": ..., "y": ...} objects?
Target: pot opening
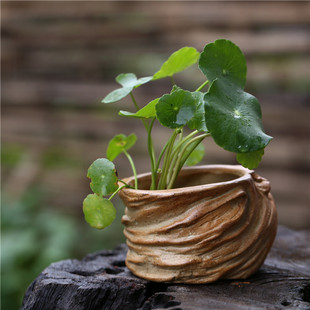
[
  {"x": 194, "y": 177},
  {"x": 204, "y": 178}
]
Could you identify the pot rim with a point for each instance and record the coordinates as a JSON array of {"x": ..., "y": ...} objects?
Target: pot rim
[{"x": 241, "y": 173}]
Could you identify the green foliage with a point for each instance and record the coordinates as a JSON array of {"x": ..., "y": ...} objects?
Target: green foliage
[
  {"x": 11, "y": 154},
  {"x": 99, "y": 212},
  {"x": 176, "y": 109},
  {"x": 198, "y": 121},
  {"x": 119, "y": 144},
  {"x": 196, "y": 156},
  {"x": 147, "y": 111},
  {"x": 34, "y": 235},
  {"x": 223, "y": 60},
  {"x": 251, "y": 159},
  {"x": 128, "y": 81},
  {"x": 31, "y": 239},
  {"x": 56, "y": 157},
  {"x": 177, "y": 62},
  {"x": 234, "y": 118},
  {"x": 103, "y": 177},
  {"x": 225, "y": 111}
]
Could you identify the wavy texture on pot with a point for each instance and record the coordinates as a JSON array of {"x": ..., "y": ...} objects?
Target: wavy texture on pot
[{"x": 219, "y": 223}]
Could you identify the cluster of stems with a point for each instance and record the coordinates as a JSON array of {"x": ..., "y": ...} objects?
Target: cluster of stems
[{"x": 174, "y": 153}]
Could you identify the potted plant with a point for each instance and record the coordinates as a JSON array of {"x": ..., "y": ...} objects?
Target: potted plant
[{"x": 200, "y": 223}]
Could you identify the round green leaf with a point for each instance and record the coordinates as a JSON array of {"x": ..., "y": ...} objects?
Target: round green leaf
[
  {"x": 98, "y": 211},
  {"x": 178, "y": 61},
  {"x": 223, "y": 59},
  {"x": 196, "y": 156},
  {"x": 250, "y": 160},
  {"x": 119, "y": 144},
  {"x": 176, "y": 109},
  {"x": 234, "y": 118},
  {"x": 198, "y": 122},
  {"x": 103, "y": 177}
]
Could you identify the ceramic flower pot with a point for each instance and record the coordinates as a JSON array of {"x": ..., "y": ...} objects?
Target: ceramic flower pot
[{"x": 218, "y": 223}]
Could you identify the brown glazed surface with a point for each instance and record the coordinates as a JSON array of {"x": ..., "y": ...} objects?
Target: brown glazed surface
[{"x": 219, "y": 223}]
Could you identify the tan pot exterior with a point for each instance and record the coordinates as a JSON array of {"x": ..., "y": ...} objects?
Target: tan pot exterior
[{"x": 222, "y": 229}]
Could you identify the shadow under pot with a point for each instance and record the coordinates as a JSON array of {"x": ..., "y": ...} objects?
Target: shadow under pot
[{"x": 219, "y": 222}]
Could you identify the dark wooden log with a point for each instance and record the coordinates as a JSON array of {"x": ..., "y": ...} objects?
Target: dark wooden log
[{"x": 101, "y": 281}]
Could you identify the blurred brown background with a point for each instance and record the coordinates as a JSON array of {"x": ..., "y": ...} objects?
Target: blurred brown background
[{"x": 59, "y": 59}]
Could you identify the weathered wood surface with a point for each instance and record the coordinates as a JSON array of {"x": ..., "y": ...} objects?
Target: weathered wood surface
[{"x": 101, "y": 281}]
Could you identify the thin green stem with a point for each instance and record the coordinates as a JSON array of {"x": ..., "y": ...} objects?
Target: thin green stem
[
  {"x": 133, "y": 168},
  {"x": 152, "y": 154},
  {"x": 134, "y": 101},
  {"x": 191, "y": 148},
  {"x": 172, "y": 80},
  {"x": 181, "y": 159},
  {"x": 182, "y": 141},
  {"x": 176, "y": 151},
  {"x": 202, "y": 85},
  {"x": 120, "y": 188},
  {"x": 127, "y": 185},
  {"x": 162, "y": 153},
  {"x": 166, "y": 165},
  {"x": 137, "y": 109},
  {"x": 148, "y": 127}
]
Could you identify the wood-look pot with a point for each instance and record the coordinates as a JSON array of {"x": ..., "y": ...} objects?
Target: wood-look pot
[{"x": 219, "y": 222}]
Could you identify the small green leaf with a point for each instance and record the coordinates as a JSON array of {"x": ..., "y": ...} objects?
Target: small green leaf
[
  {"x": 126, "y": 79},
  {"x": 233, "y": 118},
  {"x": 117, "y": 95},
  {"x": 223, "y": 59},
  {"x": 129, "y": 81},
  {"x": 198, "y": 122},
  {"x": 178, "y": 61},
  {"x": 146, "y": 112},
  {"x": 98, "y": 211},
  {"x": 103, "y": 177},
  {"x": 119, "y": 144},
  {"x": 196, "y": 156},
  {"x": 250, "y": 160},
  {"x": 176, "y": 109}
]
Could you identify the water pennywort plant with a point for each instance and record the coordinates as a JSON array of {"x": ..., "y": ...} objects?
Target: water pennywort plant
[{"x": 231, "y": 116}]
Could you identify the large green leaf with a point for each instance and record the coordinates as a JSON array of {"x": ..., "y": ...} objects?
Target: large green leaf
[
  {"x": 178, "y": 61},
  {"x": 103, "y": 177},
  {"x": 175, "y": 109},
  {"x": 147, "y": 111},
  {"x": 198, "y": 122},
  {"x": 128, "y": 81},
  {"x": 223, "y": 59},
  {"x": 119, "y": 144},
  {"x": 250, "y": 160},
  {"x": 234, "y": 118},
  {"x": 98, "y": 211}
]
